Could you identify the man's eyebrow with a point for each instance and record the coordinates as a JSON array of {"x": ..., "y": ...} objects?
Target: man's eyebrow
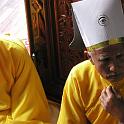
[
  {"x": 119, "y": 54},
  {"x": 103, "y": 57}
]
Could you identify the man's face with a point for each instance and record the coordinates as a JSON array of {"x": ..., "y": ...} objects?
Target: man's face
[{"x": 109, "y": 62}]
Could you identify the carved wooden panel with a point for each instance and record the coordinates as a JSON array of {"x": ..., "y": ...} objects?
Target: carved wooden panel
[{"x": 67, "y": 58}]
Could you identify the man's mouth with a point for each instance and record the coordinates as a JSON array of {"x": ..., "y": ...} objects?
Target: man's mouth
[{"x": 115, "y": 76}]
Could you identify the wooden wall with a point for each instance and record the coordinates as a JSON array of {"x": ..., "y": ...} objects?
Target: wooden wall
[{"x": 50, "y": 33}]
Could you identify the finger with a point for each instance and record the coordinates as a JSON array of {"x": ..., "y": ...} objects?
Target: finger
[
  {"x": 109, "y": 91},
  {"x": 117, "y": 94},
  {"x": 102, "y": 102},
  {"x": 103, "y": 95}
]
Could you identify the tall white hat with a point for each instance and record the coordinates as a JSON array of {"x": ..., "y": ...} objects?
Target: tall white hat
[{"x": 100, "y": 23}]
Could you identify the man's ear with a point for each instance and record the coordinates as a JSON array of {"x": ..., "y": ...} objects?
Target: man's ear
[
  {"x": 89, "y": 56},
  {"x": 91, "y": 60}
]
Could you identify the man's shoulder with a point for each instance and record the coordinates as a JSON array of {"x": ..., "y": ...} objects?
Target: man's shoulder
[
  {"x": 84, "y": 68},
  {"x": 10, "y": 41},
  {"x": 84, "y": 65},
  {"x": 12, "y": 47}
]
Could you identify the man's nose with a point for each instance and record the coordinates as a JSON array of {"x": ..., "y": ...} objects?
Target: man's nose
[{"x": 113, "y": 66}]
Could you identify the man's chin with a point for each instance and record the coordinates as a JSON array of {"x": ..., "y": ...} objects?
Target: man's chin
[{"x": 115, "y": 80}]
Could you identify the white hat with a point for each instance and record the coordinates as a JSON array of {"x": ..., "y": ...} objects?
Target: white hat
[{"x": 100, "y": 22}]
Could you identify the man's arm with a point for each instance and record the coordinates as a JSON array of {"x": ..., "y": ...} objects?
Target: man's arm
[
  {"x": 72, "y": 110},
  {"x": 29, "y": 104}
]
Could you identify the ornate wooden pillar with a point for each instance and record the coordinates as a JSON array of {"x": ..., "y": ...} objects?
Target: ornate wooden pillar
[{"x": 50, "y": 31}]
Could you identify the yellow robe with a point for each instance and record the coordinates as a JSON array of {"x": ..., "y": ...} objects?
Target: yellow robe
[
  {"x": 22, "y": 97},
  {"x": 80, "y": 100}
]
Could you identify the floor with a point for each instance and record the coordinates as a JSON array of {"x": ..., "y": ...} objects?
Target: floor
[{"x": 54, "y": 108}]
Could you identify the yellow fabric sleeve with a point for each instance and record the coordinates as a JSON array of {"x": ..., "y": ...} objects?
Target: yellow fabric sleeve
[
  {"x": 72, "y": 111},
  {"x": 25, "y": 99}
]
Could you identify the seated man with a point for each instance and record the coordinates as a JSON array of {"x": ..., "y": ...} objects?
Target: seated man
[
  {"x": 22, "y": 97},
  {"x": 94, "y": 90}
]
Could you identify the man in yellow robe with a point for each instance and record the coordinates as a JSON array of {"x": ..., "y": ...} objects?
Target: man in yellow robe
[
  {"x": 22, "y": 97},
  {"x": 94, "y": 89}
]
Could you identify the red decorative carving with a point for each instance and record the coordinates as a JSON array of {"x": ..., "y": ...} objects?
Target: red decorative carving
[{"x": 67, "y": 58}]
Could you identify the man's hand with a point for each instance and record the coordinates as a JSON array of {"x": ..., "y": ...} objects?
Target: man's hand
[{"x": 112, "y": 102}]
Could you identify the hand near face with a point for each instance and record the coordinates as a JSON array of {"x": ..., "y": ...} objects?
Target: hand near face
[{"x": 112, "y": 102}]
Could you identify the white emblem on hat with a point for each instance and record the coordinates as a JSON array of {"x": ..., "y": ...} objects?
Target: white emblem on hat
[{"x": 103, "y": 20}]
